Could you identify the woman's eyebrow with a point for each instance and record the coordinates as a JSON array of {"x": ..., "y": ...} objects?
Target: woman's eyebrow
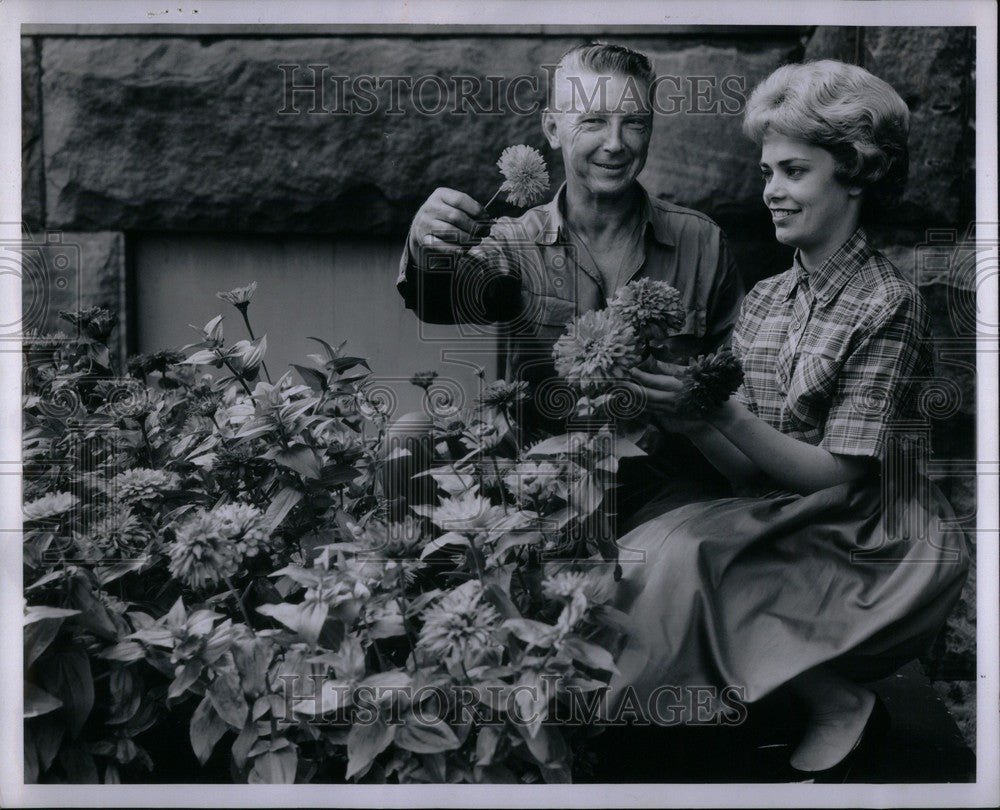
[{"x": 786, "y": 161}]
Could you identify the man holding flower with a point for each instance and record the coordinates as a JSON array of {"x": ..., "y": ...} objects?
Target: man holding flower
[{"x": 533, "y": 274}]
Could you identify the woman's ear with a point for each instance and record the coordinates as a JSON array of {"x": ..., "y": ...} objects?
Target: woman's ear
[{"x": 550, "y": 128}]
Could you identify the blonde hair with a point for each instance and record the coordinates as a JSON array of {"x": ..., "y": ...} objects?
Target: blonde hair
[{"x": 844, "y": 109}]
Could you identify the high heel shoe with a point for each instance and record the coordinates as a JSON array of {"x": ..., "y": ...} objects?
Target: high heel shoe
[{"x": 873, "y": 733}]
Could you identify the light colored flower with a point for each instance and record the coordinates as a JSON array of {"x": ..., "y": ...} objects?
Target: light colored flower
[
  {"x": 598, "y": 348},
  {"x": 49, "y": 506},
  {"x": 239, "y": 297},
  {"x": 645, "y": 302},
  {"x": 142, "y": 485},
  {"x": 120, "y": 531},
  {"x": 203, "y": 555},
  {"x": 526, "y": 178},
  {"x": 244, "y": 525},
  {"x": 468, "y": 512},
  {"x": 461, "y": 622},
  {"x": 482, "y": 436},
  {"x": 535, "y": 480}
]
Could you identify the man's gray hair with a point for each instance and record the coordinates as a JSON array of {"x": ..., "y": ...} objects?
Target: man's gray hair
[{"x": 604, "y": 58}]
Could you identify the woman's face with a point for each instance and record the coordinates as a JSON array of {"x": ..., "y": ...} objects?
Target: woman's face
[{"x": 810, "y": 208}]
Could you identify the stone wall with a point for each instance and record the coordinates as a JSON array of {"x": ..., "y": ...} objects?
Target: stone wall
[{"x": 175, "y": 133}]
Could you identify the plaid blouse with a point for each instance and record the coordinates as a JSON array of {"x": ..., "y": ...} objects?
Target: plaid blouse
[{"x": 832, "y": 357}]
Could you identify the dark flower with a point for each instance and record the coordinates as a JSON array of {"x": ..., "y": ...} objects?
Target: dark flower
[
  {"x": 709, "y": 381},
  {"x": 501, "y": 394},
  {"x": 142, "y": 364},
  {"x": 423, "y": 379},
  {"x": 96, "y": 322}
]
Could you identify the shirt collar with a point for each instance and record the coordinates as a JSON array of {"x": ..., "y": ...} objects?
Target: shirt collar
[
  {"x": 553, "y": 228},
  {"x": 829, "y": 279}
]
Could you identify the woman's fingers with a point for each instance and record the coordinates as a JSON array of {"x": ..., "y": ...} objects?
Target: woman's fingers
[
  {"x": 654, "y": 397},
  {"x": 660, "y": 382}
]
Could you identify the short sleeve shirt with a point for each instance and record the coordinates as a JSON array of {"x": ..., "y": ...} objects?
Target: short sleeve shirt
[
  {"x": 527, "y": 275},
  {"x": 834, "y": 357}
]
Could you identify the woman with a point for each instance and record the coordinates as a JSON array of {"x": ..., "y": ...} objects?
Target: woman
[{"x": 803, "y": 584}]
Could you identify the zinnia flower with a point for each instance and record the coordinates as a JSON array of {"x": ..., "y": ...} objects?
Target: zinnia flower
[
  {"x": 459, "y": 623},
  {"x": 526, "y": 178},
  {"x": 51, "y": 505},
  {"x": 95, "y": 322},
  {"x": 203, "y": 554},
  {"x": 142, "y": 364},
  {"x": 423, "y": 379},
  {"x": 598, "y": 348},
  {"x": 709, "y": 381},
  {"x": 244, "y": 525},
  {"x": 535, "y": 480},
  {"x": 120, "y": 531},
  {"x": 468, "y": 512},
  {"x": 502, "y": 394},
  {"x": 239, "y": 297},
  {"x": 645, "y": 302},
  {"x": 142, "y": 485}
]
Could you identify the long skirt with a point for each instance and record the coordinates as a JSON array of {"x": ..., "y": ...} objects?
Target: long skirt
[{"x": 734, "y": 597}]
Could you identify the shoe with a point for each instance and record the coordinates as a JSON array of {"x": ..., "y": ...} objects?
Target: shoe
[{"x": 873, "y": 733}]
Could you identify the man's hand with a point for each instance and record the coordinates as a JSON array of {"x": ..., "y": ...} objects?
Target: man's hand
[{"x": 444, "y": 222}]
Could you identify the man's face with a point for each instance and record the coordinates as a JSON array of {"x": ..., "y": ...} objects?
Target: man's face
[{"x": 602, "y": 124}]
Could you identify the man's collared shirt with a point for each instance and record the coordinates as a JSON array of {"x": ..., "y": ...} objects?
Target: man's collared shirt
[
  {"x": 527, "y": 276},
  {"x": 832, "y": 357}
]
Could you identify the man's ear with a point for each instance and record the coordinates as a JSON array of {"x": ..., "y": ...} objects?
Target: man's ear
[{"x": 550, "y": 128}]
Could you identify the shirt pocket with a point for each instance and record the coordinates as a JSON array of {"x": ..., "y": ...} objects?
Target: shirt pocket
[{"x": 547, "y": 310}]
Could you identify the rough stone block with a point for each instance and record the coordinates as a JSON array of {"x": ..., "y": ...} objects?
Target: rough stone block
[
  {"x": 183, "y": 133},
  {"x": 31, "y": 137}
]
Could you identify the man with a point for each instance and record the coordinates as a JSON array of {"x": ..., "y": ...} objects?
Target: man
[{"x": 533, "y": 274}]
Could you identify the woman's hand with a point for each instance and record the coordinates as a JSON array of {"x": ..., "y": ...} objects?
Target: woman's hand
[{"x": 659, "y": 387}]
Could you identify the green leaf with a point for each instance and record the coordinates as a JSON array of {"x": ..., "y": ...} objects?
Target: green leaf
[
  {"x": 274, "y": 768},
  {"x": 47, "y": 734},
  {"x": 589, "y": 654},
  {"x": 365, "y": 741},
  {"x": 312, "y": 377},
  {"x": 36, "y": 613},
  {"x": 78, "y": 764},
  {"x": 124, "y": 651},
  {"x": 189, "y": 673},
  {"x": 93, "y": 614},
  {"x": 339, "y": 364},
  {"x": 227, "y": 698},
  {"x": 281, "y": 505},
  {"x": 486, "y": 744},
  {"x": 333, "y": 695},
  {"x": 68, "y": 677},
  {"x": 498, "y": 597},
  {"x": 126, "y": 695},
  {"x": 302, "y": 459},
  {"x": 514, "y": 539},
  {"x": 331, "y": 353},
  {"x": 448, "y": 539},
  {"x": 38, "y": 702},
  {"x": 37, "y": 638},
  {"x": 552, "y": 446},
  {"x": 534, "y": 633},
  {"x": 426, "y": 738},
  {"x": 241, "y": 746},
  {"x": 207, "y": 729}
]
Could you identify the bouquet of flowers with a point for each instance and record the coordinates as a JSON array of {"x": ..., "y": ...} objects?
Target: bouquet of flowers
[{"x": 599, "y": 348}]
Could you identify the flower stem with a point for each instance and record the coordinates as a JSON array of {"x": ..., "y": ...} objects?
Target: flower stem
[
  {"x": 236, "y": 375},
  {"x": 246, "y": 320},
  {"x": 493, "y": 199},
  {"x": 239, "y": 601}
]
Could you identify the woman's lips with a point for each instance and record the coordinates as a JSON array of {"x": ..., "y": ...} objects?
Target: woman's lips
[{"x": 781, "y": 214}]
